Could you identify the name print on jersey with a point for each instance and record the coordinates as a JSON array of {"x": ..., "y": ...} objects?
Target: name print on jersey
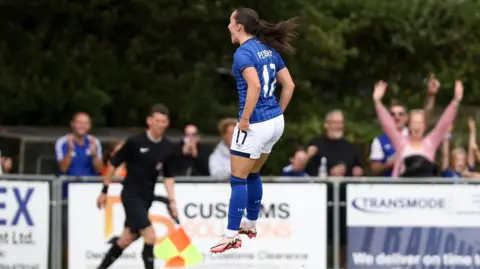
[{"x": 265, "y": 54}]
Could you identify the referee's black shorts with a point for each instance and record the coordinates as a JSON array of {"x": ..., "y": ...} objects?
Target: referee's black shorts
[{"x": 136, "y": 206}]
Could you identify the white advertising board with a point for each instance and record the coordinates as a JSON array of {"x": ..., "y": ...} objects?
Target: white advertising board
[
  {"x": 413, "y": 226},
  {"x": 291, "y": 228},
  {"x": 24, "y": 224}
]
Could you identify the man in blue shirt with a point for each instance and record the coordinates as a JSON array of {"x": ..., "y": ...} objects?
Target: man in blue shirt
[
  {"x": 78, "y": 153},
  {"x": 382, "y": 153}
]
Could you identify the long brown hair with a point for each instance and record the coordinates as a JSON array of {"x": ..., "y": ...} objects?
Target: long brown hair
[{"x": 276, "y": 35}]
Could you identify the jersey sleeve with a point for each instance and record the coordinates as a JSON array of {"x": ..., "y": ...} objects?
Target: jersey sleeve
[
  {"x": 123, "y": 153},
  {"x": 61, "y": 148},
  {"x": 242, "y": 59},
  {"x": 279, "y": 62}
]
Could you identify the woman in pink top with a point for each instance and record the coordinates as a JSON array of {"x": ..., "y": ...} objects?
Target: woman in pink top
[{"x": 416, "y": 144}]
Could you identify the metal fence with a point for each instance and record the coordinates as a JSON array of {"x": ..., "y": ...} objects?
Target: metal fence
[{"x": 336, "y": 188}]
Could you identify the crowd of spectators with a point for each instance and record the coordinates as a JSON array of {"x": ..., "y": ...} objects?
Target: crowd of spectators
[{"x": 331, "y": 154}]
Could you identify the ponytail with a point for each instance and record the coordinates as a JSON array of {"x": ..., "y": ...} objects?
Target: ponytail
[
  {"x": 275, "y": 35},
  {"x": 278, "y": 35}
]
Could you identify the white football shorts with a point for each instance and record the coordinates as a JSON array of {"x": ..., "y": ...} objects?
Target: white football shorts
[{"x": 259, "y": 138}]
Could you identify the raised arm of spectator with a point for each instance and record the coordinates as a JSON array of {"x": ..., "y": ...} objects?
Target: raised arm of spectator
[
  {"x": 446, "y": 120},
  {"x": 64, "y": 149},
  {"x": 432, "y": 90},
  {"x": 472, "y": 142},
  {"x": 477, "y": 155},
  {"x": 445, "y": 152},
  {"x": 473, "y": 152},
  {"x": 384, "y": 117}
]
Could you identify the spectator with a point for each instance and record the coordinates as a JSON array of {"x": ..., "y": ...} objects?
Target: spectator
[
  {"x": 121, "y": 170},
  {"x": 78, "y": 153},
  {"x": 297, "y": 165},
  {"x": 382, "y": 152},
  {"x": 416, "y": 153},
  {"x": 190, "y": 157},
  {"x": 6, "y": 165},
  {"x": 341, "y": 156},
  {"x": 473, "y": 141},
  {"x": 333, "y": 155},
  {"x": 458, "y": 163},
  {"x": 219, "y": 161}
]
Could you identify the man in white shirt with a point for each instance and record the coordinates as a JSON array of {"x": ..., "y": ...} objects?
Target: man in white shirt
[{"x": 219, "y": 160}]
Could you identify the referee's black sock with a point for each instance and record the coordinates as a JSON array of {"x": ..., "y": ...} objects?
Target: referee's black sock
[
  {"x": 112, "y": 254},
  {"x": 147, "y": 256}
]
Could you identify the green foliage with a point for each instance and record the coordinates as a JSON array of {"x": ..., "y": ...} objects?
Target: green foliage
[{"x": 115, "y": 58}]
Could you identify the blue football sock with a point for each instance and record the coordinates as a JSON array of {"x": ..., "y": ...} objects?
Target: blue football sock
[
  {"x": 255, "y": 194},
  {"x": 238, "y": 202}
]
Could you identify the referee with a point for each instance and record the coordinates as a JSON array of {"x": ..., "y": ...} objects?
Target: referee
[{"x": 146, "y": 155}]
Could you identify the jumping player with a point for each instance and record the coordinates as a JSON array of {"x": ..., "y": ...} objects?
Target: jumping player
[
  {"x": 257, "y": 67},
  {"x": 145, "y": 155}
]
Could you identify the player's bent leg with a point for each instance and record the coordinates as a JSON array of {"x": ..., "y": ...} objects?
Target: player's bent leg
[
  {"x": 117, "y": 248},
  {"x": 149, "y": 238},
  {"x": 241, "y": 167},
  {"x": 254, "y": 201},
  {"x": 254, "y": 182}
]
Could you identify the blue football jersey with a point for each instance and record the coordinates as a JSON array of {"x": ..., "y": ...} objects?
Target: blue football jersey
[{"x": 267, "y": 62}]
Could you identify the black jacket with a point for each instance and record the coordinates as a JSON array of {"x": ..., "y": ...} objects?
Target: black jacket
[
  {"x": 418, "y": 166},
  {"x": 189, "y": 166}
]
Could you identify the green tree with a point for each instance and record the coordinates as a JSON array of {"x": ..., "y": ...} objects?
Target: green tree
[{"x": 115, "y": 58}]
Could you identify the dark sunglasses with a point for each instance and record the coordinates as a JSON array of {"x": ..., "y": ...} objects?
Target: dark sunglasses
[{"x": 397, "y": 114}]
